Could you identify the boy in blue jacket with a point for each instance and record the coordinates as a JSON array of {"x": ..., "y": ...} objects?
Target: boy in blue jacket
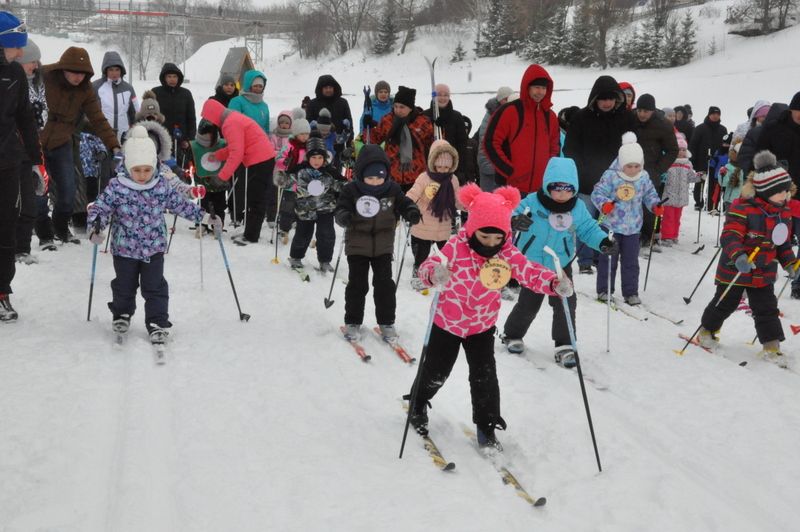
[{"x": 553, "y": 217}]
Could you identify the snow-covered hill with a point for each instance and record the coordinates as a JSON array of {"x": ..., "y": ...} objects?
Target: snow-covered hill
[{"x": 275, "y": 424}]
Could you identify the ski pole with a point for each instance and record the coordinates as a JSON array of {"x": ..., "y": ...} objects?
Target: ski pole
[
  {"x": 275, "y": 229},
  {"x": 402, "y": 258},
  {"x": 608, "y": 298},
  {"x": 702, "y": 194},
  {"x": 246, "y": 183},
  {"x": 94, "y": 270},
  {"x": 652, "y": 242},
  {"x": 719, "y": 213},
  {"x": 574, "y": 342},
  {"x": 750, "y": 259},
  {"x": 328, "y": 301},
  {"x": 783, "y": 289},
  {"x": 218, "y": 232},
  {"x": 108, "y": 236},
  {"x": 688, "y": 300},
  {"x": 171, "y": 232},
  {"x": 412, "y": 401}
]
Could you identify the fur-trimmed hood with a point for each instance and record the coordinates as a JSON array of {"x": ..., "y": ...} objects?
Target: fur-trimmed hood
[
  {"x": 441, "y": 146},
  {"x": 160, "y": 137}
]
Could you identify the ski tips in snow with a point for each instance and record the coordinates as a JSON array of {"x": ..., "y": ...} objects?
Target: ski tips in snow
[{"x": 698, "y": 250}]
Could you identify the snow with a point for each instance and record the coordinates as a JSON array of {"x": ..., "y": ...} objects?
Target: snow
[{"x": 276, "y": 424}]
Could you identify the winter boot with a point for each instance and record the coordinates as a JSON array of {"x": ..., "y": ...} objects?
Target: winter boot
[
  {"x": 352, "y": 332},
  {"x": 633, "y": 300},
  {"x": 771, "y": 351},
  {"x": 158, "y": 335},
  {"x": 121, "y": 323},
  {"x": 240, "y": 240},
  {"x": 325, "y": 267},
  {"x": 486, "y": 436},
  {"x": 707, "y": 338},
  {"x": 419, "y": 417},
  {"x": 603, "y": 296},
  {"x": 565, "y": 356},
  {"x": 7, "y": 312},
  {"x": 388, "y": 333},
  {"x": 515, "y": 346},
  {"x": 295, "y": 264}
]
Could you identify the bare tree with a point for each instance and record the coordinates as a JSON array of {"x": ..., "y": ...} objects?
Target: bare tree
[
  {"x": 605, "y": 14},
  {"x": 347, "y": 18}
]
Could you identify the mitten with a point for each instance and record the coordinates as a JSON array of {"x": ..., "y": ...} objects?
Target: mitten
[
  {"x": 658, "y": 210},
  {"x": 521, "y": 222},
  {"x": 743, "y": 264},
  {"x": 609, "y": 247},
  {"x": 562, "y": 286},
  {"x": 607, "y": 207},
  {"x": 198, "y": 191},
  {"x": 343, "y": 218},
  {"x": 412, "y": 215}
]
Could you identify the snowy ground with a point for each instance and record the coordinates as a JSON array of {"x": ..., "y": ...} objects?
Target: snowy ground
[{"x": 276, "y": 425}]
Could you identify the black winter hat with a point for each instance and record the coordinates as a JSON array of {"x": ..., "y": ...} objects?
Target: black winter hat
[
  {"x": 368, "y": 157},
  {"x": 316, "y": 146},
  {"x": 646, "y": 102},
  {"x": 714, "y": 110},
  {"x": 405, "y": 96},
  {"x": 795, "y": 103}
]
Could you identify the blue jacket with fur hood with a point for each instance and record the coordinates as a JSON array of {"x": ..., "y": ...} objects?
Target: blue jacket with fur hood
[{"x": 557, "y": 224}]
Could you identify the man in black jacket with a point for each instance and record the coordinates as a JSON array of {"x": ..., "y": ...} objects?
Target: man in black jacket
[
  {"x": 750, "y": 143},
  {"x": 593, "y": 140},
  {"x": 660, "y": 146},
  {"x": 704, "y": 144},
  {"x": 329, "y": 96},
  {"x": 18, "y": 139},
  {"x": 450, "y": 124},
  {"x": 177, "y": 106}
]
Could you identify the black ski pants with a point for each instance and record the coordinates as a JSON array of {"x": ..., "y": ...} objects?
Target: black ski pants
[
  {"x": 326, "y": 237},
  {"x": 261, "y": 197},
  {"x": 383, "y": 289},
  {"x": 422, "y": 248},
  {"x": 528, "y": 305},
  {"x": 28, "y": 207},
  {"x": 440, "y": 357},
  {"x": 155, "y": 290},
  {"x": 763, "y": 303},
  {"x": 9, "y": 212},
  {"x": 217, "y": 199}
]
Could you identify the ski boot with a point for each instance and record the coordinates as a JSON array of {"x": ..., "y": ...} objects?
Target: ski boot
[
  {"x": 633, "y": 300},
  {"x": 603, "y": 297},
  {"x": 7, "y": 312},
  {"x": 771, "y": 351},
  {"x": 295, "y": 264},
  {"x": 419, "y": 417},
  {"x": 486, "y": 435},
  {"x": 240, "y": 240},
  {"x": 120, "y": 326},
  {"x": 325, "y": 267},
  {"x": 388, "y": 333},
  {"x": 352, "y": 332},
  {"x": 158, "y": 335},
  {"x": 565, "y": 356},
  {"x": 515, "y": 346},
  {"x": 707, "y": 338}
]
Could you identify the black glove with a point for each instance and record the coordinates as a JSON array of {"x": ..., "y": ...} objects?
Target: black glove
[
  {"x": 608, "y": 246},
  {"x": 338, "y": 148},
  {"x": 412, "y": 215},
  {"x": 343, "y": 218},
  {"x": 521, "y": 222},
  {"x": 440, "y": 121},
  {"x": 368, "y": 122}
]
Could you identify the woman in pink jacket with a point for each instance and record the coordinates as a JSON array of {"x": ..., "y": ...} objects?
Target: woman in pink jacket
[
  {"x": 473, "y": 267},
  {"x": 436, "y": 194},
  {"x": 247, "y": 146}
]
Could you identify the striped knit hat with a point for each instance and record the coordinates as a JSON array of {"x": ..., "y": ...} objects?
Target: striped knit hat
[{"x": 768, "y": 177}]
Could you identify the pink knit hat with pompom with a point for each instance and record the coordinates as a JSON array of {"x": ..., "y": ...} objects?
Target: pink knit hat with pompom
[{"x": 489, "y": 209}]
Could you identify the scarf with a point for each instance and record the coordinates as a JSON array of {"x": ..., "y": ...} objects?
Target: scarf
[
  {"x": 443, "y": 204},
  {"x": 401, "y": 135},
  {"x": 373, "y": 190},
  {"x": 552, "y": 205},
  {"x": 252, "y": 97},
  {"x": 484, "y": 251},
  {"x": 130, "y": 183}
]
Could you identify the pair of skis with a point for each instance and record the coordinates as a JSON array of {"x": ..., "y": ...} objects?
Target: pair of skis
[
  {"x": 399, "y": 350},
  {"x": 159, "y": 348}
]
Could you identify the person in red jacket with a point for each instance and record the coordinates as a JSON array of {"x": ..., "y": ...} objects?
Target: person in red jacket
[
  {"x": 524, "y": 134},
  {"x": 247, "y": 145}
]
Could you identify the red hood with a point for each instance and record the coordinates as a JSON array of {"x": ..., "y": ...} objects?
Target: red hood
[
  {"x": 533, "y": 72},
  {"x": 625, "y": 85},
  {"x": 212, "y": 111}
]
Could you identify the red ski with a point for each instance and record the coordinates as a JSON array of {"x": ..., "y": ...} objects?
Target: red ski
[
  {"x": 396, "y": 347},
  {"x": 359, "y": 349}
]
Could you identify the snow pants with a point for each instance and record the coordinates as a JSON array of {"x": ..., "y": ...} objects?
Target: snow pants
[
  {"x": 441, "y": 356},
  {"x": 326, "y": 237},
  {"x": 9, "y": 212},
  {"x": 527, "y": 307},
  {"x": 671, "y": 223},
  {"x": 155, "y": 290},
  {"x": 629, "y": 272},
  {"x": 586, "y": 255},
  {"x": 383, "y": 289},
  {"x": 28, "y": 208},
  {"x": 261, "y": 197},
  {"x": 217, "y": 199},
  {"x": 422, "y": 248},
  {"x": 61, "y": 167},
  {"x": 763, "y": 303}
]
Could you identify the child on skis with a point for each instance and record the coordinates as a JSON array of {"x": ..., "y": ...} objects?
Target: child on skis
[
  {"x": 289, "y": 159},
  {"x": 369, "y": 208},
  {"x": 731, "y": 178},
  {"x": 473, "y": 267},
  {"x": 619, "y": 196},
  {"x": 283, "y": 130},
  {"x": 553, "y": 216},
  {"x": 759, "y": 218},
  {"x": 676, "y": 192},
  {"x": 207, "y": 141},
  {"x": 435, "y": 192},
  {"x": 137, "y": 199},
  {"x": 317, "y": 188}
]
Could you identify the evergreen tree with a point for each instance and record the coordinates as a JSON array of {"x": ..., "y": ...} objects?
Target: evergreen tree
[
  {"x": 497, "y": 37},
  {"x": 458, "y": 54},
  {"x": 387, "y": 32},
  {"x": 582, "y": 37},
  {"x": 556, "y": 37},
  {"x": 712, "y": 46},
  {"x": 687, "y": 39},
  {"x": 614, "y": 55},
  {"x": 652, "y": 37},
  {"x": 671, "y": 49}
]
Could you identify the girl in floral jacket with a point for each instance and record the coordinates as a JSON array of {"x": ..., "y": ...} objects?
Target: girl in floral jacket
[{"x": 472, "y": 268}]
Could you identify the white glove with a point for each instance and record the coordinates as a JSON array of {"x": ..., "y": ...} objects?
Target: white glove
[
  {"x": 562, "y": 287},
  {"x": 440, "y": 274}
]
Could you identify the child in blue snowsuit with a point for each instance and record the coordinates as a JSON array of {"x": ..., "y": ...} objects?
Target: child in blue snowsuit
[
  {"x": 554, "y": 217},
  {"x": 137, "y": 199},
  {"x": 619, "y": 196}
]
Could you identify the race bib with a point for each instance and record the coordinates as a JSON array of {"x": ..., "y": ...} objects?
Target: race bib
[
  {"x": 560, "y": 221},
  {"x": 780, "y": 234},
  {"x": 626, "y": 192},
  {"x": 368, "y": 206},
  {"x": 209, "y": 165},
  {"x": 315, "y": 188},
  {"x": 495, "y": 274},
  {"x": 431, "y": 190}
]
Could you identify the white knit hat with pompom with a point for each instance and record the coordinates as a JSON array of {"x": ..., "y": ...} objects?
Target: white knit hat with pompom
[{"x": 139, "y": 149}]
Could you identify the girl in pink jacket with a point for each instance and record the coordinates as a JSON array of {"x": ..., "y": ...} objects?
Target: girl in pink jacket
[
  {"x": 247, "y": 145},
  {"x": 474, "y": 266},
  {"x": 435, "y": 192}
]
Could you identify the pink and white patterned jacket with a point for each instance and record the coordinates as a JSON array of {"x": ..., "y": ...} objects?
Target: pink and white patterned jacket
[{"x": 465, "y": 306}]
